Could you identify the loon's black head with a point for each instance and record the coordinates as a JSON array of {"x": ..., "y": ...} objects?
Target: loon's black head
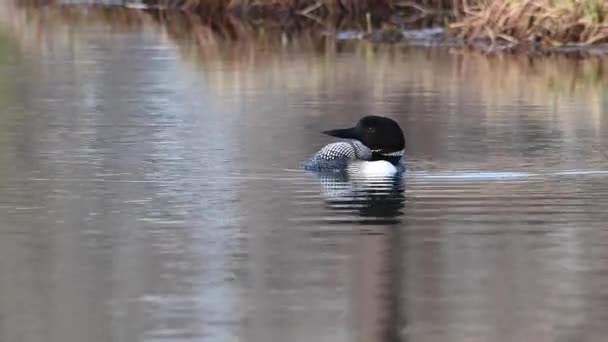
[{"x": 380, "y": 134}]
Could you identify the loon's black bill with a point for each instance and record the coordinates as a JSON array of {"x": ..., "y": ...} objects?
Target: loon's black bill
[{"x": 346, "y": 133}]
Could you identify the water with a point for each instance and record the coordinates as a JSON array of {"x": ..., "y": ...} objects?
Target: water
[{"x": 150, "y": 189}]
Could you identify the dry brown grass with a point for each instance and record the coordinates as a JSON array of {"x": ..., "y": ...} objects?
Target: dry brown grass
[{"x": 548, "y": 22}]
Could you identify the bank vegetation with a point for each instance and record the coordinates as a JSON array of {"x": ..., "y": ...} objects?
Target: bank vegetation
[{"x": 494, "y": 23}]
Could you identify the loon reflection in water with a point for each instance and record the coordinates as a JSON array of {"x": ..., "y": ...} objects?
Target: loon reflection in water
[
  {"x": 371, "y": 200},
  {"x": 379, "y": 261}
]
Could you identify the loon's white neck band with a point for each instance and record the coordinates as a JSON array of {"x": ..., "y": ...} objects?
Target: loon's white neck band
[{"x": 390, "y": 154}]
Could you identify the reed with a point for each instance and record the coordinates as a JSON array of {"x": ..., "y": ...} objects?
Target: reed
[{"x": 543, "y": 22}]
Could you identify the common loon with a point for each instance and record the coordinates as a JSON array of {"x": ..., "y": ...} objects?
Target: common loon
[{"x": 376, "y": 145}]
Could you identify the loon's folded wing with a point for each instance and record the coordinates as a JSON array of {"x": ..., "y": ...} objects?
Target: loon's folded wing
[{"x": 332, "y": 156}]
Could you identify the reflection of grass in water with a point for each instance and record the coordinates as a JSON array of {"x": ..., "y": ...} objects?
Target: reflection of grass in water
[
  {"x": 7, "y": 48},
  {"x": 543, "y": 75},
  {"x": 8, "y": 54},
  {"x": 117, "y": 18},
  {"x": 32, "y": 23},
  {"x": 556, "y": 82},
  {"x": 8, "y": 94}
]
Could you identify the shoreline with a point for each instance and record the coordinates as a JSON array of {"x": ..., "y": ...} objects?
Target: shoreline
[{"x": 431, "y": 28}]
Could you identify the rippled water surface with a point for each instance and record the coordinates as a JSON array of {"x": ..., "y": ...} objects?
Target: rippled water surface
[{"x": 150, "y": 190}]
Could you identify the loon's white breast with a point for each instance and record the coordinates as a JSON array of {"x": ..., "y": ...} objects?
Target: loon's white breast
[{"x": 376, "y": 168}]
